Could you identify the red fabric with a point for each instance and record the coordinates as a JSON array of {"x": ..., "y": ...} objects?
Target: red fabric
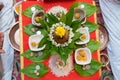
[{"x": 49, "y": 76}]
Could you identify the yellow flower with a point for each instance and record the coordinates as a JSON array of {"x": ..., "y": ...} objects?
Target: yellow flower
[{"x": 60, "y": 31}]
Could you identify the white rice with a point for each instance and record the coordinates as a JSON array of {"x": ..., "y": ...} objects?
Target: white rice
[{"x": 57, "y": 71}]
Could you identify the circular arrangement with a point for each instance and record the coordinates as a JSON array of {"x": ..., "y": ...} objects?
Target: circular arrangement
[{"x": 58, "y": 33}]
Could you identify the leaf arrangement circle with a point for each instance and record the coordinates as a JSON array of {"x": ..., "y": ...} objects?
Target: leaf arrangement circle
[{"x": 63, "y": 44}]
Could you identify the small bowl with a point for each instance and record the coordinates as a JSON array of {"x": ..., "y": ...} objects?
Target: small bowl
[
  {"x": 37, "y": 13},
  {"x": 85, "y": 31},
  {"x": 35, "y": 38},
  {"x": 79, "y": 10},
  {"x": 17, "y": 7},
  {"x": 88, "y": 54},
  {"x": 103, "y": 37},
  {"x": 104, "y": 59},
  {"x": 14, "y": 36}
]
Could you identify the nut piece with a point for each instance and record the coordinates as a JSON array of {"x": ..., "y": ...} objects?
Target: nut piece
[
  {"x": 37, "y": 74},
  {"x": 31, "y": 54},
  {"x": 35, "y": 71}
]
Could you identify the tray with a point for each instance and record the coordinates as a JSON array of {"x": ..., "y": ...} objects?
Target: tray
[{"x": 24, "y": 44}]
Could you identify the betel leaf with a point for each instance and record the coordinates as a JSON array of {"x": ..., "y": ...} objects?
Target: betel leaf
[
  {"x": 52, "y": 19},
  {"x": 37, "y": 57},
  {"x": 76, "y": 36},
  {"x": 63, "y": 18},
  {"x": 71, "y": 45},
  {"x": 94, "y": 67},
  {"x": 92, "y": 26},
  {"x": 44, "y": 25},
  {"x": 28, "y": 12},
  {"x": 93, "y": 45},
  {"x": 44, "y": 32},
  {"x": 53, "y": 49},
  {"x": 28, "y": 29},
  {"x": 67, "y": 50},
  {"x": 88, "y": 8},
  {"x": 29, "y": 70},
  {"x": 69, "y": 17},
  {"x": 42, "y": 42},
  {"x": 64, "y": 52},
  {"x": 74, "y": 46},
  {"x": 76, "y": 25},
  {"x": 48, "y": 45}
]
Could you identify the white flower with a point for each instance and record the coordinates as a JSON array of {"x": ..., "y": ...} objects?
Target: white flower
[
  {"x": 70, "y": 35},
  {"x": 58, "y": 67}
]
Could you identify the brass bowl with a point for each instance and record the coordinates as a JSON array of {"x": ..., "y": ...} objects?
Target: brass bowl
[
  {"x": 103, "y": 37},
  {"x": 14, "y": 37},
  {"x": 104, "y": 59},
  {"x": 16, "y": 7}
]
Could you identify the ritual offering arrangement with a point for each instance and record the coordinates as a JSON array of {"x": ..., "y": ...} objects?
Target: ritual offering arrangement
[{"x": 59, "y": 40}]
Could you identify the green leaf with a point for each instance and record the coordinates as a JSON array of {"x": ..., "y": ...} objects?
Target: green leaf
[
  {"x": 69, "y": 17},
  {"x": 76, "y": 25},
  {"x": 64, "y": 52},
  {"x": 29, "y": 70},
  {"x": 63, "y": 18},
  {"x": 28, "y": 29},
  {"x": 44, "y": 25},
  {"x": 53, "y": 49},
  {"x": 71, "y": 45},
  {"x": 76, "y": 36},
  {"x": 93, "y": 45},
  {"x": 92, "y": 26},
  {"x": 48, "y": 45},
  {"x": 36, "y": 57},
  {"x": 42, "y": 42},
  {"x": 44, "y": 32},
  {"x": 27, "y": 12},
  {"x": 94, "y": 67},
  {"x": 52, "y": 19},
  {"x": 89, "y": 9},
  {"x": 67, "y": 50}
]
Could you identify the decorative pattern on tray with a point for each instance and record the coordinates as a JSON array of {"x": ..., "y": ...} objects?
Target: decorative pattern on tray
[{"x": 59, "y": 41}]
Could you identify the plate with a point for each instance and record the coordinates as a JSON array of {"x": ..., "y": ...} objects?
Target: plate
[
  {"x": 14, "y": 36},
  {"x": 103, "y": 37}
]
